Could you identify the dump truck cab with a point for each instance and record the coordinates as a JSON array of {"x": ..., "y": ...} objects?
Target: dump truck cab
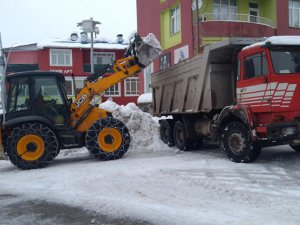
[
  {"x": 268, "y": 83},
  {"x": 38, "y": 96}
]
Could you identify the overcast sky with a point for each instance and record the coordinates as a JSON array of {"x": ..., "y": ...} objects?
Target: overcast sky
[{"x": 30, "y": 21}]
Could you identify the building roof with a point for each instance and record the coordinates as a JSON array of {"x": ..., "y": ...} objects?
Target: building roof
[
  {"x": 27, "y": 47},
  {"x": 99, "y": 43},
  {"x": 68, "y": 43}
]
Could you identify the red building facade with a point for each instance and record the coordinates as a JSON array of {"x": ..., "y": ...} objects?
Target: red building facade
[
  {"x": 72, "y": 58},
  {"x": 175, "y": 24}
]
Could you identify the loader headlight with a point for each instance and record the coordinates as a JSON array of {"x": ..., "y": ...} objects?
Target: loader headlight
[{"x": 289, "y": 131}]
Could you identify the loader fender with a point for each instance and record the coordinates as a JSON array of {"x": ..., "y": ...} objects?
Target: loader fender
[
  {"x": 237, "y": 112},
  {"x": 24, "y": 119}
]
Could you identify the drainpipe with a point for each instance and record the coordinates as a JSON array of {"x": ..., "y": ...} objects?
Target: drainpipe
[{"x": 197, "y": 28}]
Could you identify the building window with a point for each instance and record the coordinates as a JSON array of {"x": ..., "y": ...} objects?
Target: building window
[
  {"x": 294, "y": 13},
  {"x": 104, "y": 57},
  {"x": 225, "y": 9},
  {"x": 254, "y": 12},
  {"x": 132, "y": 86},
  {"x": 147, "y": 78},
  {"x": 165, "y": 61},
  {"x": 70, "y": 86},
  {"x": 113, "y": 91},
  {"x": 175, "y": 20},
  {"x": 60, "y": 57}
]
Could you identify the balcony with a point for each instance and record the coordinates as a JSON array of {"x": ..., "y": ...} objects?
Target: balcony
[
  {"x": 242, "y": 18},
  {"x": 214, "y": 27}
]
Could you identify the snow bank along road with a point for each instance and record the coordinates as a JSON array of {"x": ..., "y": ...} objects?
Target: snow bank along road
[
  {"x": 154, "y": 184},
  {"x": 163, "y": 187}
]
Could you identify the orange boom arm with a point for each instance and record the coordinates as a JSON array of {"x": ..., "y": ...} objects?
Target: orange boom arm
[{"x": 83, "y": 110}]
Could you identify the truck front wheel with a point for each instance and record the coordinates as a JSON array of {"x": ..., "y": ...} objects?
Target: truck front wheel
[{"x": 237, "y": 143}]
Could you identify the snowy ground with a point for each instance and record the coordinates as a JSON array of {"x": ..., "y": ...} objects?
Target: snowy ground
[{"x": 156, "y": 184}]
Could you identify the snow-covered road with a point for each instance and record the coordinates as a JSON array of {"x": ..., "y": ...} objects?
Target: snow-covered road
[{"x": 168, "y": 186}]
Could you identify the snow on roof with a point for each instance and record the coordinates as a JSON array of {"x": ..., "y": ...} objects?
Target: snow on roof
[
  {"x": 278, "y": 40},
  {"x": 67, "y": 43}
]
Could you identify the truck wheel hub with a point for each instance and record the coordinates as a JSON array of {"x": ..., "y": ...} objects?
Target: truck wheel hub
[{"x": 236, "y": 143}]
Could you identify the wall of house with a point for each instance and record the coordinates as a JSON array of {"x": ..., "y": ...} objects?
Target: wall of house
[
  {"x": 268, "y": 10},
  {"x": 76, "y": 69},
  {"x": 23, "y": 57},
  {"x": 283, "y": 23}
]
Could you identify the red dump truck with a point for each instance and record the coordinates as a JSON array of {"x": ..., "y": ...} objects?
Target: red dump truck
[{"x": 242, "y": 93}]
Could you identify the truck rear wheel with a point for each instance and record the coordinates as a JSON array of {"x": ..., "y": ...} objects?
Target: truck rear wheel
[
  {"x": 108, "y": 139},
  {"x": 180, "y": 139},
  {"x": 295, "y": 147},
  {"x": 166, "y": 133},
  {"x": 237, "y": 143},
  {"x": 31, "y": 146}
]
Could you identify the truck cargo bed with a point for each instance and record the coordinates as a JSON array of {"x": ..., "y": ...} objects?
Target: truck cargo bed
[{"x": 202, "y": 83}]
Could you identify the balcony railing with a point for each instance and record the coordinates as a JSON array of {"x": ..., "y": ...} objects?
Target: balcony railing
[{"x": 236, "y": 18}]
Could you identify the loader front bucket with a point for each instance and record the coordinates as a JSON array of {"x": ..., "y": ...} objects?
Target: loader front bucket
[{"x": 148, "y": 49}]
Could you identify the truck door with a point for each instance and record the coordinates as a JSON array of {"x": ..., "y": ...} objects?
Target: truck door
[{"x": 254, "y": 85}]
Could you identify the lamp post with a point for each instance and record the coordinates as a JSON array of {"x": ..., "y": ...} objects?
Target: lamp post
[
  {"x": 196, "y": 4},
  {"x": 89, "y": 26}
]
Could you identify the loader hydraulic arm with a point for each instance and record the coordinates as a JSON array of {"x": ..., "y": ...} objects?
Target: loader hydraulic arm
[
  {"x": 94, "y": 88},
  {"x": 140, "y": 53}
]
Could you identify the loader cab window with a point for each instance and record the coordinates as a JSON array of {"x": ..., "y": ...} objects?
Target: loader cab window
[
  {"x": 18, "y": 99},
  {"x": 49, "y": 99},
  {"x": 255, "y": 66}
]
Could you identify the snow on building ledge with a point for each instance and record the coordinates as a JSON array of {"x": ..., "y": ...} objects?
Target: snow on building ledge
[{"x": 99, "y": 43}]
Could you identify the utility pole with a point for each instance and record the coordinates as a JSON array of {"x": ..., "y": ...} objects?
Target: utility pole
[
  {"x": 89, "y": 26},
  {"x": 197, "y": 28}
]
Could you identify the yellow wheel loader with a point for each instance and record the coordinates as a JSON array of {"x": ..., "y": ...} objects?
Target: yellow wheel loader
[{"x": 39, "y": 120}]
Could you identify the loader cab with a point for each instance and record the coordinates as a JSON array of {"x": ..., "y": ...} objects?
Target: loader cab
[{"x": 37, "y": 96}]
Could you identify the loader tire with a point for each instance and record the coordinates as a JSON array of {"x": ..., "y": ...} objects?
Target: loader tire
[
  {"x": 237, "y": 143},
  {"x": 32, "y": 146},
  {"x": 166, "y": 133},
  {"x": 107, "y": 139},
  {"x": 180, "y": 139}
]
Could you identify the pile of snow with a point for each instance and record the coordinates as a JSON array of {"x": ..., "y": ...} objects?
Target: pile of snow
[
  {"x": 145, "y": 98},
  {"x": 143, "y": 128}
]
